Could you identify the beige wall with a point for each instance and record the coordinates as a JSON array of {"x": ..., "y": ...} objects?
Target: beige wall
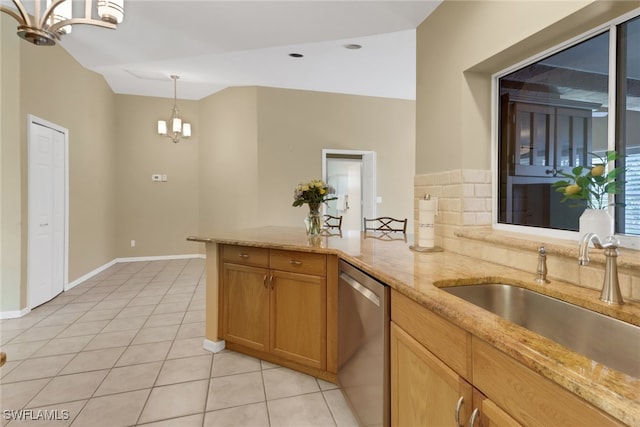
[
  {"x": 228, "y": 161},
  {"x": 10, "y": 169},
  {"x": 157, "y": 215},
  {"x": 460, "y": 46},
  {"x": 80, "y": 101},
  {"x": 293, "y": 128},
  {"x": 259, "y": 143}
]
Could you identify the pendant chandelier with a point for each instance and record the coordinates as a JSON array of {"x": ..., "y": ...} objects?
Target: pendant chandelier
[
  {"x": 55, "y": 19},
  {"x": 178, "y": 128}
]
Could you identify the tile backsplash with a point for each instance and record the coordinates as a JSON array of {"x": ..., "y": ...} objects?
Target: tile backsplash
[{"x": 464, "y": 199}]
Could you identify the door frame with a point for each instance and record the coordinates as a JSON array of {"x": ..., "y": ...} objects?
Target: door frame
[
  {"x": 31, "y": 121},
  {"x": 369, "y": 178}
]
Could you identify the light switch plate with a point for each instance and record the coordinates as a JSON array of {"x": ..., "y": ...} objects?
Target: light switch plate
[{"x": 156, "y": 177}]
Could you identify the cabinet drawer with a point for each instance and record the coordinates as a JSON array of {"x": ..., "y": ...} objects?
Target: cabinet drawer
[
  {"x": 247, "y": 255},
  {"x": 526, "y": 395},
  {"x": 448, "y": 342},
  {"x": 299, "y": 262}
]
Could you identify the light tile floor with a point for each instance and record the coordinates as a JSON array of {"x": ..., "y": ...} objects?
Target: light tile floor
[{"x": 125, "y": 348}]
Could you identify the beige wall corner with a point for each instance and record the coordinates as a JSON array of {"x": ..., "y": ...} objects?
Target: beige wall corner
[
  {"x": 294, "y": 126},
  {"x": 228, "y": 161}
]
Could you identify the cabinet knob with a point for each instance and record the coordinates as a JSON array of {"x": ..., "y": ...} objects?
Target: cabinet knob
[{"x": 553, "y": 171}]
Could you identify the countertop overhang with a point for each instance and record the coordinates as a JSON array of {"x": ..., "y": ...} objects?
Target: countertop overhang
[{"x": 418, "y": 275}]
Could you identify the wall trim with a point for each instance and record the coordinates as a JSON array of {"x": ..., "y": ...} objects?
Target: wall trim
[
  {"x": 213, "y": 346},
  {"x": 19, "y": 313},
  {"x": 14, "y": 314},
  {"x": 129, "y": 259}
]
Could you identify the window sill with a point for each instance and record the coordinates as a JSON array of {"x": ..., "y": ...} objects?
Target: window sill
[{"x": 627, "y": 258}]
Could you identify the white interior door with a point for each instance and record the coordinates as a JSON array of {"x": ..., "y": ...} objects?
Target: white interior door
[
  {"x": 46, "y": 264},
  {"x": 353, "y": 174},
  {"x": 345, "y": 175}
]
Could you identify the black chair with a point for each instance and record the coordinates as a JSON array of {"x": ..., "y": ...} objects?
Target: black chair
[
  {"x": 386, "y": 224},
  {"x": 334, "y": 222},
  {"x": 385, "y": 228}
]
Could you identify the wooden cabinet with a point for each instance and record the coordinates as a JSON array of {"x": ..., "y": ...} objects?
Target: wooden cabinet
[
  {"x": 540, "y": 137},
  {"x": 424, "y": 390},
  {"x": 274, "y": 305},
  {"x": 527, "y": 396},
  {"x": 434, "y": 364}
]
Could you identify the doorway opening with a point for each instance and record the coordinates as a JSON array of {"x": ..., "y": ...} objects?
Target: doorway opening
[
  {"x": 48, "y": 210},
  {"x": 353, "y": 175}
]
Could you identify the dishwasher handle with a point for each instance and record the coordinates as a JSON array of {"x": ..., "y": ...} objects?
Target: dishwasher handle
[{"x": 367, "y": 293}]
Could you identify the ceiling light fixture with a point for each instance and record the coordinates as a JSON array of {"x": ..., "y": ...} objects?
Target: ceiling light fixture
[
  {"x": 178, "y": 128},
  {"x": 57, "y": 18}
]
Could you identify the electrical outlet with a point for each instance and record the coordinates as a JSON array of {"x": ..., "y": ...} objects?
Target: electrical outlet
[
  {"x": 164, "y": 177},
  {"x": 133, "y": 243}
]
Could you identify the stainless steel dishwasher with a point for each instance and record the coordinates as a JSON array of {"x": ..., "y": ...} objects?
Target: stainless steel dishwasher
[{"x": 363, "y": 345}]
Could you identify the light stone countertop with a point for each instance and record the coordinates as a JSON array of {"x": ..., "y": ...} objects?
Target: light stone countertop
[{"x": 418, "y": 275}]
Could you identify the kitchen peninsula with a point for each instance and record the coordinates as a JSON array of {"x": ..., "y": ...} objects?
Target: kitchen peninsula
[{"x": 414, "y": 278}]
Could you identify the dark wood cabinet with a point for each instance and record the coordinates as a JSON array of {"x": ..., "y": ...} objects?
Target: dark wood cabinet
[{"x": 539, "y": 139}]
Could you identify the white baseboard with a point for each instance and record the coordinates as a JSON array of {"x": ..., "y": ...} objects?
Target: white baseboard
[
  {"x": 14, "y": 314},
  {"x": 159, "y": 258},
  {"x": 19, "y": 313},
  {"x": 89, "y": 275},
  {"x": 129, "y": 259},
  {"x": 213, "y": 346}
]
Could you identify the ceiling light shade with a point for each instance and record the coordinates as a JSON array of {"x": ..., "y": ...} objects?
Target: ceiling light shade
[
  {"x": 179, "y": 129},
  {"x": 62, "y": 13},
  {"x": 111, "y": 10},
  {"x": 54, "y": 18}
]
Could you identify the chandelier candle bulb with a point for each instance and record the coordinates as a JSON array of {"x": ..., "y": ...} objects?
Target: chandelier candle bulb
[
  {"x": 162, "y": 127},
  {"x": 177, "y": 124}
]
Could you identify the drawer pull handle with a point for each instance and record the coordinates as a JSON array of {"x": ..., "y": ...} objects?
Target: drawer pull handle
[
  {"x": 294, "y": 262},
  {"x": 271, "y": 281},
  {"x": 264, "y": 280},
  {"x": 243, "y": 255},
  {"x": 457, "y": 413},
  {"x": 474, "y": 415}
]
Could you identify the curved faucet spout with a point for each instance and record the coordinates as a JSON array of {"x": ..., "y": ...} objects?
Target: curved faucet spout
[{"x": 583, "y": 247}]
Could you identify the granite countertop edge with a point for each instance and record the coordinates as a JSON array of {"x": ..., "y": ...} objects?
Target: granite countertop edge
[{"x": 613, "y": 392}]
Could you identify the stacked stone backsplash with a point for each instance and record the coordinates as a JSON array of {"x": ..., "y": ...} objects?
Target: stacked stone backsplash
[{"x": 464, "y": 205}]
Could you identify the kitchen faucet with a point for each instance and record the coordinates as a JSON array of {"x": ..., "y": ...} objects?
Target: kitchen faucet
[{"x": 611, "y": 286}]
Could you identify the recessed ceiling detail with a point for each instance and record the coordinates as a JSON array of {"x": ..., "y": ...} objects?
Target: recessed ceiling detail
[{"x": 217, "y": 44}]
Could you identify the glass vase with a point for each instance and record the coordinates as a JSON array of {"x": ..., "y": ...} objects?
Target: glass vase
[{"x": 313, "y": 221}]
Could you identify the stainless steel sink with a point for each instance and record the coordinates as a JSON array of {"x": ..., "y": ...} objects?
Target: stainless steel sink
[{"x": 609, "y": 341}]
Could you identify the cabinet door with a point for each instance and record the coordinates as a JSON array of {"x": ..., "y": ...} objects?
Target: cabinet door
[
  {"x": 533, "y": 139},
  {"x": 424, "y": 391},
  {"x": 299, "y": 318},
  {"x": 245, "y": 317},
  {"x": 487, "y": 414}
]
